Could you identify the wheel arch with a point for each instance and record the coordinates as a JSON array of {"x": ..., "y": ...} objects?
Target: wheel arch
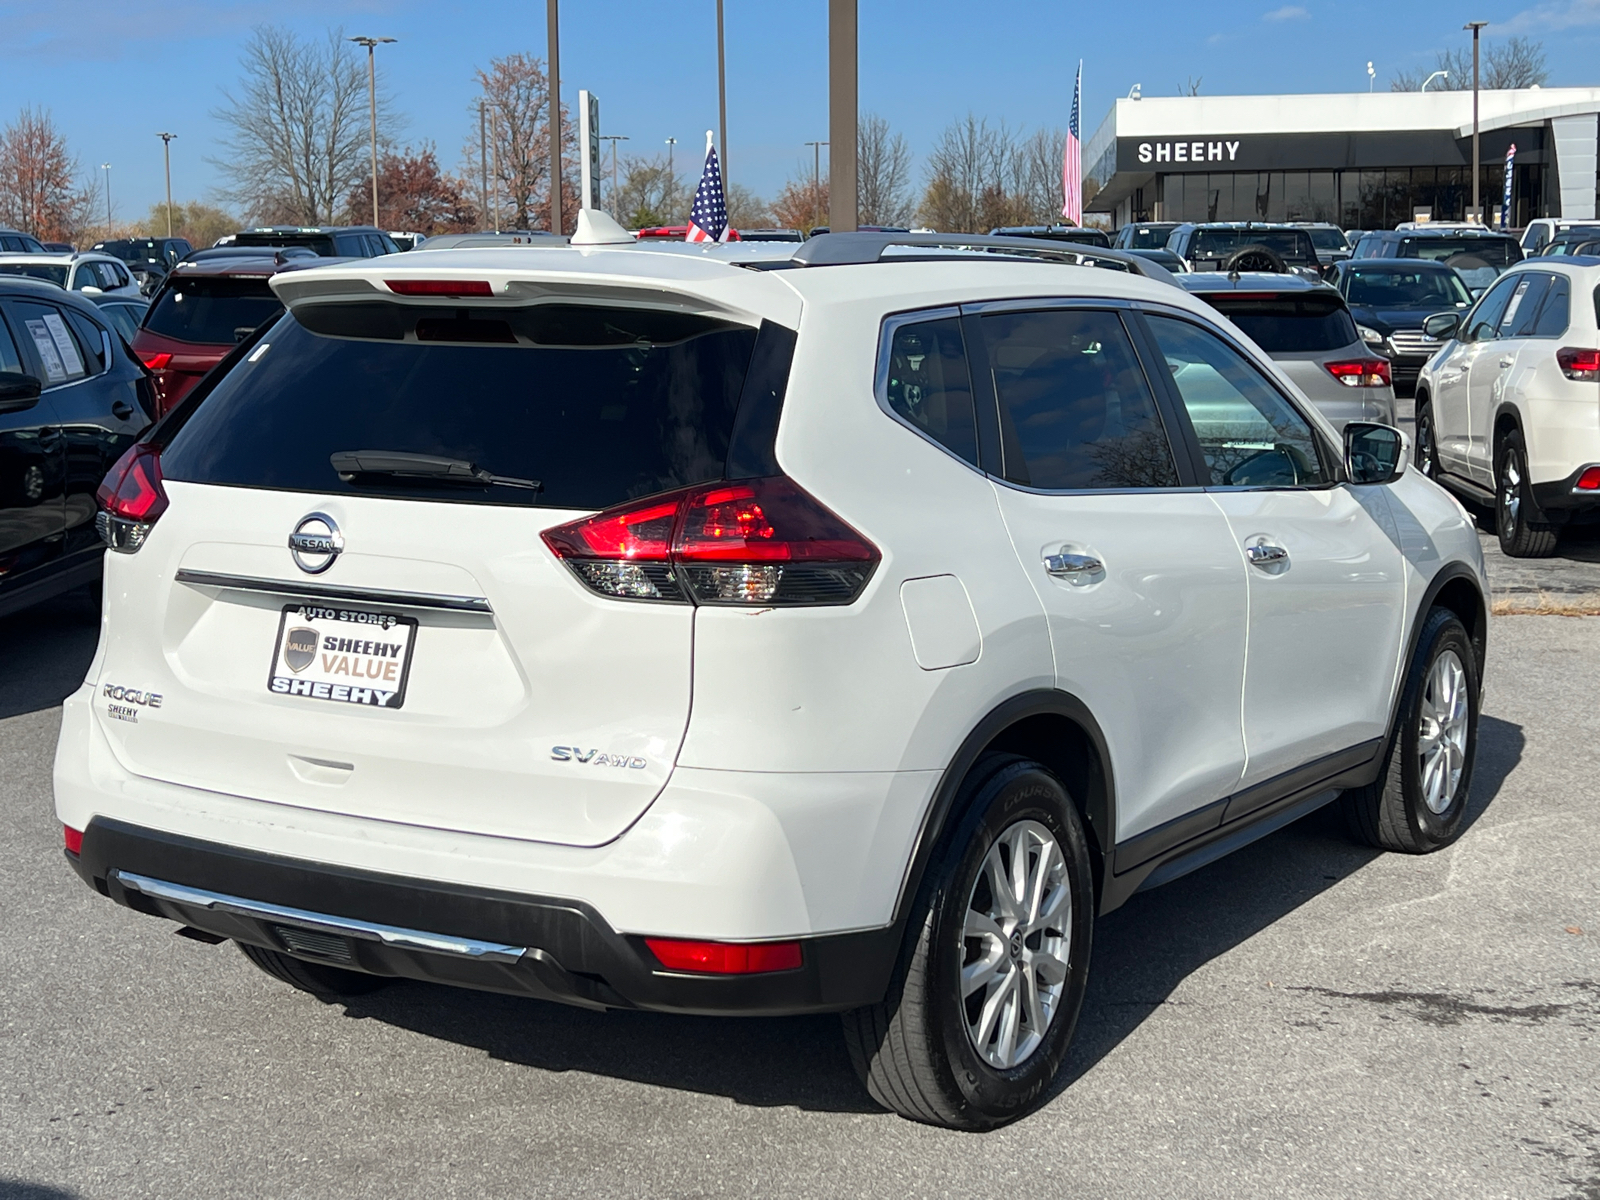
[
  {"x": 1455, "y": 587},
  {"x": 1054, "y": 728}
]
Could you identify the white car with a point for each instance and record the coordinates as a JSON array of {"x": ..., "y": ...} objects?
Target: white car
[
  {"x": 1508, "y": 409},
  {"x": 755, "y": 629},
  {"x": 84, "y": 271}
]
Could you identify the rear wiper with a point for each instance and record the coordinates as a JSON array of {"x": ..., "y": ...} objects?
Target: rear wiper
[{"x": 402, "y": 464}]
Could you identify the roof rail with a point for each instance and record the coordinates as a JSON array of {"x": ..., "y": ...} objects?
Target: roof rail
[{"x": 858, "y": 249}]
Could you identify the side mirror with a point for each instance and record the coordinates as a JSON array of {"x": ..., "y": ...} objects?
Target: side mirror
[
  {"x": 18, "y": 391},
  {"x": 1442, "y": 325},
  {"x": 1373, "y": 453}
]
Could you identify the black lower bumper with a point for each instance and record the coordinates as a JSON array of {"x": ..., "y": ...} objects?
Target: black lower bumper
[
  {"x": 572, "y": 954},
  {"x": 1562, "y": 502}
]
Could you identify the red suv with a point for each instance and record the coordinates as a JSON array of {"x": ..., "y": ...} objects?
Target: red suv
[{"x": 203, "y": 308}]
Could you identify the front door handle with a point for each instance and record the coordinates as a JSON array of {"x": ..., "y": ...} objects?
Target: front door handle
[
  {"x": 1072, "y": 566},
  {"x": 1266, "y": 556},
  {"x": 122, "y": 410},
  {"x": 1506, "y": 362}
]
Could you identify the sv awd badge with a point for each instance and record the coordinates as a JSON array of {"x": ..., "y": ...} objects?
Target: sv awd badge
[{"x": 595, "y": 759}]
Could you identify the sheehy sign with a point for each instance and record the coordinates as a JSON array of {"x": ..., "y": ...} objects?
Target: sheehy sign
[{"x": 1201, "y": 151}]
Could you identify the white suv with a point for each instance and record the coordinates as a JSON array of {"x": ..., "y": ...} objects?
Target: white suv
[
  {"x": 1508, "y": 409},
  {"x": 754, "y": 629}
]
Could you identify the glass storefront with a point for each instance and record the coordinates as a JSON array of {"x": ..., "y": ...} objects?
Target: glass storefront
[{"x": 1377, "y": 199}]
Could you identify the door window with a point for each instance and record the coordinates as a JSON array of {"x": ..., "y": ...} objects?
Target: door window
[
  {"x": 58, "y": 350},
  {"x": 1076, "y": 411},
  {"x": 1553, "y": 313},
  {"x": 91, "y": 342},
  {"x": 1484, "y": 320},
  {"x": 1523, "y": 305},
  {"x": 1250, "y": 435},
  {"x": 928, "y": 385},
  {"x": 10, "y": 358}
]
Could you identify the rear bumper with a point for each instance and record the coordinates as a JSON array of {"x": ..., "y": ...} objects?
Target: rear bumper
[
  {"x": 542, "y": 947},
  {"x": 1561, "y": 499}
]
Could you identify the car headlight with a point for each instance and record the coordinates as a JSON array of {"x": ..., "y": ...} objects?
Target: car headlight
[{"x": 1376, "y": 340}]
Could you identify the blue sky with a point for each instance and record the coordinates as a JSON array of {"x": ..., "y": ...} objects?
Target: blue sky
[{"x": 113, "y": 72}]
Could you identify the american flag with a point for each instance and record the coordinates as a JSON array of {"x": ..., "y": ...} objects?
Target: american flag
[
  {"x": 1072, "y": 160},
  {"x": 708, "y": 218}
]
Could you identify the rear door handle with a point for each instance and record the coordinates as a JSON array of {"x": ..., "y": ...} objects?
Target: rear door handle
[
  {"x": 122, "y": 410},
  {"x": 1506, "y": 362},
  {"x": 1265, "y": 555},
  {"x": 1072, "y": 566}
]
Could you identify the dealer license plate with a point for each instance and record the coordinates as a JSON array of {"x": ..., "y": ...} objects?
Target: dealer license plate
[{"x": 347, "y": 655}]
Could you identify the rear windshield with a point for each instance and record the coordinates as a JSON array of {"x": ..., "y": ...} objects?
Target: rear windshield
[
  {"x": 217, "y": 312},
  {"x": 1328, "y": 239},
  {"x": 49, "y": 272},
  {"x": 1292, "y": 245},
  {"x": 1398, "y": 288},
  {"x": 1495, "y": 252},
  {"x": 1287, "y": 324},
  {"x": 599, "y": 405},
  {"x": 319, "y": 243},
  {"x": 1149, "y": 237}
]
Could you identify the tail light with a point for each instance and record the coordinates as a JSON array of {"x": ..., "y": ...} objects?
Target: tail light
[
  {"x": 753, "y": 541},
  {"x": 1589, "y": 481},
  {"x": 1582, "y": 365},
  {"x": 131, "y": 498},
  {"x": 439, "y": 287},
  {"x": 1361, "y": 372},
  {"x": 73, "y": 838},
  {"x": 158, "y": 361},
  {"x": 725, "y": 958}
]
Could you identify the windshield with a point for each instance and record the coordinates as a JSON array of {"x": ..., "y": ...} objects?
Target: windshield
[
  {"x": 1149, "y": 237},
  {"x": 216, "y": 312},
  {"x": 319, "y": 243},
  {"x": 598, "y": 404},
  {"x": 1287, "y": 323},
  {"x": 131, "y": 251},
  {"x": 1328, "y": 239},
  {"x": 49, "y": 272},
  {"x": 1397, "y": 288},
  {"x": 1291, "y": 245},
  {"x": 1478, "y": 260}
]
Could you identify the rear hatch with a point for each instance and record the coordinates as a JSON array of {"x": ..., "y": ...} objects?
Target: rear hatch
[
  {"x": 195, "y": 321},
  {"x": 442, "y": 668},
  {"x": 1303, "y": 331}
]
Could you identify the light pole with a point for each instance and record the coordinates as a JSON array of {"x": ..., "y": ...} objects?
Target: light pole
[
  {"x": 483, "y": 158},
  {"x": 552, "y": 26},
  {"x": 371, "y": 44},
  {"x": 672, "y": 178},
  {"x": 1477, "y": 202},
  {"x": 1372, "y": 77},
  {"x": 843, "y": 61},
  {"x": 614, "y": 138},
  {"x": 166, "y": 150},
  {"x": 816, "y": 180},
  {"x": 106, "y": 167},
  {"x": 722, "y": 102},
  {"x": 1431, "y": 78}
]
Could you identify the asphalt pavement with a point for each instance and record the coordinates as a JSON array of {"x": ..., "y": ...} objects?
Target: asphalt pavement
[{"x": 1306, "y": 1018}]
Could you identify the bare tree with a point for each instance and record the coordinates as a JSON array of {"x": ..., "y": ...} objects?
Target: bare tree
[
  {"x": 803, "y": 202},
  {"x": 297, "y": 139},
  {"x": 516, "y": 93},
  {"x": 1190, "y": 86},
  {"x": 1516, "y": 62},
  {"x": 981, "y": 176},
  {"x": 1039, "y": 194},
  {"x": 746, "y": 210},
  {"x": 883, "y": 174},
  {"x": 649, "y": 195},
  {"x": 39, "y": 191}
]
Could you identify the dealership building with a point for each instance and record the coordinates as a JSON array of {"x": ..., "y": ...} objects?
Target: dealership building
[{"x": 1362, "y": 160}]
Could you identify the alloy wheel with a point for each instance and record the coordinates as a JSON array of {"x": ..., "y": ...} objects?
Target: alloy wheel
[
  {"x": 1425, "y": 444},
  {"x": 1510, "y": 492},
  {"x": 1442, "y": 722},
  {"x": 1017, "y": 938}
]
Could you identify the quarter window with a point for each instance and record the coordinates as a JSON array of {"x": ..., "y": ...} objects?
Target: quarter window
[
  {"x": 1250, "y": 435},
  {"x": 1076, "y": 411},
  {"x": 1483, "y": 321},
  {"x": 929, "y": 386},
  {"x": 1554, "y": 312}
]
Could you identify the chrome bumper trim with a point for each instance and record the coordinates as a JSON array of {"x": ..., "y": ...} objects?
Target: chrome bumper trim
[
  {"x": 332, "y": 591},
  {"x": 389, "y": 935}
]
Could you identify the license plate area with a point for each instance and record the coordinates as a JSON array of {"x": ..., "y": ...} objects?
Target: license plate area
[{"x": 358, "y": 656}]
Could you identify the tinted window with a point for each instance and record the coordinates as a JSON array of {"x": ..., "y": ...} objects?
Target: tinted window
[
  {"x": 49, "y": 272},
  {"x": 1328, "y": 239},
  {"x": 1249, "y": 433},
  {"x": 317, "y": 243},
  {"x": 124, "y": 319},
  {"x": 217, "y": 311},
  {"x": 91, "y": 341},
  {"x": 1397, "y": 288},
  {"x": 600, "y": 405},
  {"x": 1289, "y": 244},
  {"x": 1287, "y": 324},
  {"x": 1554, "y": 312},
  {"x": 928, "y": 384},
  {"x": 57, "y": 349},
  {"x": 1483, "y": 320},
  {"x": 10, "y": 358},
  {"x": 1146, "y": 237},
  {"x": 1075, "y": 408},
  {"x": 1523, "y": 306}
]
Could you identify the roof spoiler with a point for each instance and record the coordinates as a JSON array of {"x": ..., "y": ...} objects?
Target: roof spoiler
[{"x": 856, "y": 249}]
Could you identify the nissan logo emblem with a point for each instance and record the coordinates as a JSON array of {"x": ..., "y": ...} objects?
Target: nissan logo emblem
[{"x": 315, "y": 543}]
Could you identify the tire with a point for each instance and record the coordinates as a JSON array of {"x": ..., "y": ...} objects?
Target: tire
[
  {"x": 1402, "y": 810},
  {"x": 1426, "y": 451},
  {"x": 917, "y": 1051},
  {"x": 324, "y": 982},
  {"x": 1255, "y": 258},
  {"x": 1513, "y": 500}
]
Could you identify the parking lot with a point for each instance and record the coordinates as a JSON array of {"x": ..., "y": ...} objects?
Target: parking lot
[{"x": 1305, "y": 1018}]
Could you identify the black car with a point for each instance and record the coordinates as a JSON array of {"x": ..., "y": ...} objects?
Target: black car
[
  {"x": 125, "y": 313},
  {"x": 73, "y": 398},
  {"x": 148, "y": 258},
  {"x": 14, "y": 241},
  {"x": 1392, "y": 297},
  {"x": 328, "y": 241},
  {"x": 1164, "y": 257},
  {"x": 1144, "y": 235},
  {"x": 1246, "y": 246},
  {"x": 1057, "y": 233},
  {"x": 1478, "y": 255}
]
